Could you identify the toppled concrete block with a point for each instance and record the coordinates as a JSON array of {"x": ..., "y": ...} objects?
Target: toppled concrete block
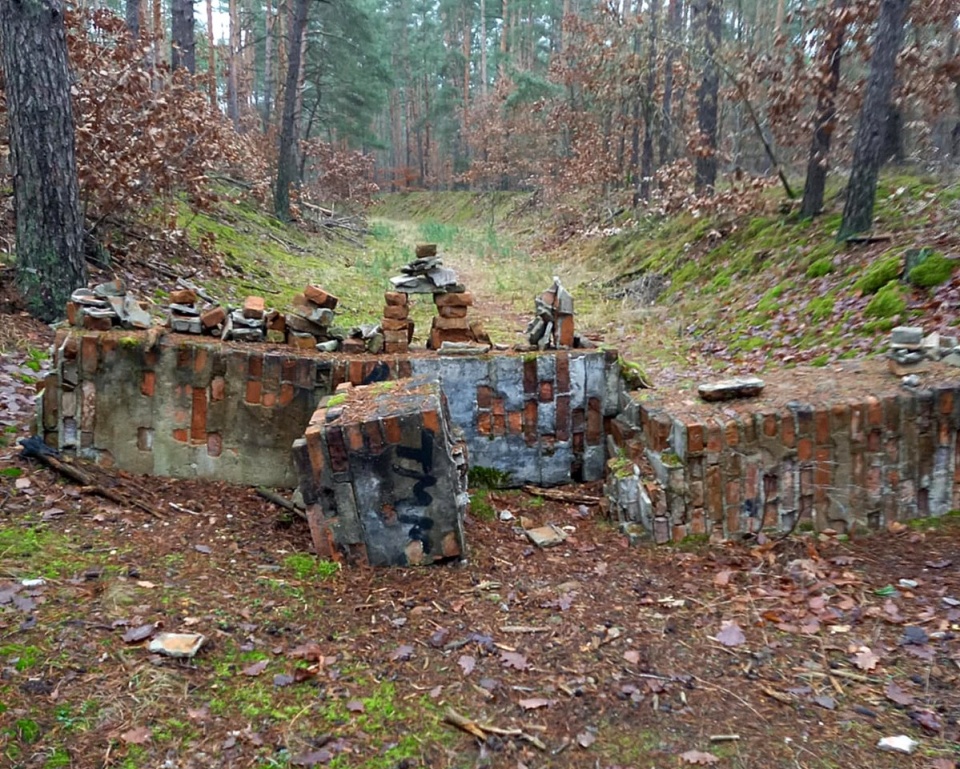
[
  {"x": 382, "y": 475},
  {"x": 910, "y": 337},
  {"x": 731, "y": 389}
]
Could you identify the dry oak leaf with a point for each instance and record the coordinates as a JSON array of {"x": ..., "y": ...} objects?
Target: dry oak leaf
[
  {"x": 698, "y": 757},
  {"x": 532, "y": 703},
  {"x": 731, "y": 634},
  {"x": 467, "y": 663},
  {"x": 898, "y": 695},
  {"x": 632, "y": 656},
  {"x": 514, "y": 660},
  {"x": 139, "y": 735},
  {"x": 255, "y": 669},
  {"x": 865, "y": 659}
]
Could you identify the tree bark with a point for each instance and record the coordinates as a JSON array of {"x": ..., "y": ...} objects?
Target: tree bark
[
  {"x": 826, "y": 117},
  {"x": 862, "y": 187},
  {"x": 183, "y": 49},
  {"x": 158, "y": 34},
  {"x": 211, "y": 57},
  {"x": 287, "y": 160},
  {"x": 132, "y": 17},
  {"x": 483, "y": 48},
  {"x": 49, "y": 225},
  {"x": 674, "y": 19},
  {"x": 233, "y": 98},
  {"x": 646, "y": 160},
  {"x": 268, "y": 68},
  {"x": 707, "y": 97}
]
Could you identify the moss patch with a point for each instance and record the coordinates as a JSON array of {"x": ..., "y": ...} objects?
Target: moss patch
[
  {"x": 887, "y": 303},
  {"x": 932, "y": 271},
  {"x": 879, "y": 274}
]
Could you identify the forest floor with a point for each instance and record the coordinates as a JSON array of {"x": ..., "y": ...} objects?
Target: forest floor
[{"x": 795, "y": 653}]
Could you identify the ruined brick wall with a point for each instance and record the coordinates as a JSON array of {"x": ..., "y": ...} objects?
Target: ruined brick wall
[
  {"x": 839, "y": 465},
  {"x": 192, "y": 408}
]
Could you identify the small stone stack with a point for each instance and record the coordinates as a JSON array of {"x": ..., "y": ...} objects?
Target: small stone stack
[
  {"x": 910, "y": 351},
  {"x": 451, "y": 323},
  {"x": 396, "y": 324},
  {"x": 553, "y": 325},
  {"x": 309, "y": 325},
  {"x": 105, "y": 306}
]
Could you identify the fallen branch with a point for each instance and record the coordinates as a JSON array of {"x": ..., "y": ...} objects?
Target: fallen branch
[
  {"x": 480, "y": 731},
  {"x": 283, "y": 502},
  {"x": 78, "y": 476},
  {"x": 558, "y": 495}
]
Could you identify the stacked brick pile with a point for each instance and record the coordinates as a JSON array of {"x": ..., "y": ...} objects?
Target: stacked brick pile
[
  {"x": 382, "y": 476},
  {"x": 309, "y": 324},
  {"x": 553, "y": 325},
  {"x": 106, "y": 306},
  {"x": 396, "y": 324},
  {"x": 451, "y": 323}
]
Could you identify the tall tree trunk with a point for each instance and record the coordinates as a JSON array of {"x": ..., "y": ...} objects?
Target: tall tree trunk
[
  {"x": 287, "y": 160},
  {"x": 674, "y": 20},
  {"x": 825, "y": 120},
  {"x": 268, "y": 68},
  {"x": 778, "y": 24},
  {"x": 211, "y": 57},
  {"x": 183, "y": 49},
  {"x": 646, "y": 161},
  {"x": 233, "y": 96},
  {"x": 707, "y": 95},
  {"x": 132, "y": 17},
  {"x": 158, "y": 34},
  {"x": 46, "y": 200},
  {"x": 483, "y": 48},
  {"x": 862, "y": 187}
]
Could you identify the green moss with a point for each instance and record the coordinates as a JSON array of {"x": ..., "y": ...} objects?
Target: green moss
[
  {"x": 932, "y": 271},
  {"x": 769, "y": 301},
  {"x": 821, "y": 307},
  {"x": 480, "y": 506},
  {"x": 820, "y": 268},
  {"x": 336, "y": 400},
  {"x": 887, "y": 302},
  {"x": 480, "y": 477},
  {"x": 820, "y": 360},
  {"x": 879, "y": 274},
  {"x": 307, "y": 567}
]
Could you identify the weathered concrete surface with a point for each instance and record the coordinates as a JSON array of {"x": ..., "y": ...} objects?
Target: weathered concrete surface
[{"x": 382, "y": 475}]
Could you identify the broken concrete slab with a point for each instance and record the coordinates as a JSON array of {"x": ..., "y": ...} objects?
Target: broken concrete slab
[
  {"x": 909, "y": 337},
  {"x": 546, "y": 536},
  {"x": 182, "y": 645},
  {"x": 731, "y": 389}
]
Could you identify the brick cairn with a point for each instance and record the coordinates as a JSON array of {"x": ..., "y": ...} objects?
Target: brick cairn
[{"x": 382, "y": 475}]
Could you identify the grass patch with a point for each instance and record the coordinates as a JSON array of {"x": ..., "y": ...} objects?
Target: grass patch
[{"x": 306, "y": 567}]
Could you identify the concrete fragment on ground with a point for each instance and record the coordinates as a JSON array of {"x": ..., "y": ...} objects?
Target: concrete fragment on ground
[
  {"x": 546, "y": 536},
  {"x": 731, "y": 389},
  {"x": 383, "y": 476},
  {"x": 183, "y": 645}
]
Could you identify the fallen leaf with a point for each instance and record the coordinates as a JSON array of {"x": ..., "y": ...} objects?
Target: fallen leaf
[
  {"x": 731, "y": 634},
  {"x": 914, "y": 635},
  {"x": 895, "y": 694},
  {"x": 928, "y": 720},
  {"x": 467, "y": 664},
  {"x": 722, "y": 579},
  {"x": 307, "y": 651},
  {"x": 532, "y": 703},
  {"x": 586, "y": 739},
  {"x": 205, "y": 549},
  {"x": 514, "y": 660},
  {"x": 23, "y": 483},
  {"x": 313, "y": 758},
  {"x": 825, "y": 702},
  {"x": 198, "y": 714},
  {"x": 865, "y": 659},
  {"x": 255, "y": 669},
  {"x": 632, "y": 656},
  {"x": 698, "y": 757},
  {"x": 144, "y": 584},
  {"x": 439, "y": 638},
  {"x": 402, "y": 653},
  {"x": 943, "y": 563},
  {"x": 139, "y": 735},
  {"x": 138, "y": 634},
  {"x": 282, "y": 679},
  {"x": 355, "y": 706}
]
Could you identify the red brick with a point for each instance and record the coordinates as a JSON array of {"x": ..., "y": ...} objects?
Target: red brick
[
  {"x": 891, "y": 413},
  {"x": 563, "y": 417},
  {"x": 320, "y": 297},
  {"x": 452, "y": 312},
  {"x": 946, "y": 402},
  {"x": 594, "y": 422},
  {"x": 200, "y": 360},
  {"x": 97, "y": 324},
  {"x": 451, "y": 324},
  {"x": 874, "y": 411},
  {"x": 431, "y": 422},
  {"x": 396, "y": 312},
  {"x": 254, "y": 307},
  {"x": 355, "y": 372},
  {"x": 485, "y": 423},
  {"x": 218, "y": 388},
  {"x": 393, "y": 324},
  {"x": 72, "y": 311},
  {"x": 396, "y": 299},
  {"x": 314, "y": 438},
  {"x": 577, "y": 441},
  {"x": 805, "y": 449},
  {"x": 337, "y": 449},
  {"x": 694, "y": 437},
  {"x": 183, "y": 296},
  {"x": 89, "y": 354},
  {"x": 530, "y": 422},
  {"x": 731, "y": 434},
  {"x": 354, "y": 437},
  {"x": 484, "y": 396},
  {"x": 788, "y": 435},
  {"x": 713, "y": 486},
  {"x": 874, "y": 440},
  {"x": 214, "y": 445},
  {"x": 286, "y": 394},
  {"x": 499, "y": 424},
  {"x": 391, "y": 428},
  {"x": 770, "y": 425},
  {"x": 546, "y": 392},
  {"x": 563, "y": 371},
  {"x": 255, "y": 366},
  {"x": 732, "y": 495},
  {"x": 288, "y": 370},
  {"x": 374, "y": 437},
  {"x": 577, "y": 421},
  {"x": 499, "y": 407},
  {"x": 268, "y": 399},
  {"x": 821, "y": 426},
  {"x": 698, "y": 522},
  {"x": 714, "y": 436},
  {"x": 253, "y": 392},
  {"x": 198, "y": 418},
  {"x": 213, "y": 317},
  {"x": 453, "y": 299},
  {"x": 530, "y": 379},
  {"x": 395, "y": 348},
  {"x": 565, "y": 331},
  {"x": 515, "y": 423},
  {"x": 181, "y": 435},
  {"x": 149, "y": 384}
]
